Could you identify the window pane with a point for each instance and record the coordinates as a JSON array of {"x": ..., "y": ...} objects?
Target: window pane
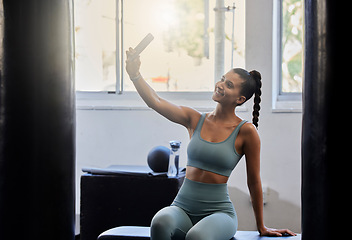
[
  {"x": 95, "y": 37},
  {"x": 181, "y": 57},
  {"x": 292, "y": 46},
  {"x": 177, "y": 59}
]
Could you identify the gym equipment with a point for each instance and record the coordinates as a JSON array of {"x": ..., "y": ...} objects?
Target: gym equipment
[
  {"x": 37, "y": 120},
  {"x": 135, "y": 170},
  {"x": 143, "y": 233},
  {"x": 325, "y": 101},
  {"x": 158, "y": 159},
  {"x": 109, "y": 201}
]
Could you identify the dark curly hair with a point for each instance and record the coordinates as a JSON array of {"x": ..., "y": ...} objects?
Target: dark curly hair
[{"x": 251, "y": 86}]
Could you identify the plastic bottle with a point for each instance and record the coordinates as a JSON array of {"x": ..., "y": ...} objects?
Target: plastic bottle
[{"x": 174, "y": 158}]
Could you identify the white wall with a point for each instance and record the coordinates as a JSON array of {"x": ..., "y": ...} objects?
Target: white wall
[{"x": 125, "y": 136}]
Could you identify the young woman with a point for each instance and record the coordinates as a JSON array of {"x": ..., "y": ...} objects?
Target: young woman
[{"x": 202, "y": 210}]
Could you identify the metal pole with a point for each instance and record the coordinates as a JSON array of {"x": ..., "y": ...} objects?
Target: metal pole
[
  {"x": 122, "y": 47},
  {"x": 233, "y": 34},
  {"x": 206, "y": 26},
  {"x": 219, "y": 32},
  {"x": 117, "y": 56}
]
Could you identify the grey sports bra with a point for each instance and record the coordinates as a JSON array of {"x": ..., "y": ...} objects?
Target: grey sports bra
[{"x": 219, "y": 157}]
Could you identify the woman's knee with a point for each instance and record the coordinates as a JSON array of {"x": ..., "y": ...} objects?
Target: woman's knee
[
  {"x": 160, "y": 228},
  {"x": 170, "y": 222},
  {"x": 197, "y": 234},
  {"x": 162, "y": 220},
  {"x": 214, "y": 227}
]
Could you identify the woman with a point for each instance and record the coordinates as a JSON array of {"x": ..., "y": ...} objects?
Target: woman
[{"x": 202, "y": 209}]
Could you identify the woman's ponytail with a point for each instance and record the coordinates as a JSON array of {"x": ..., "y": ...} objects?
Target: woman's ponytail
[
  {"x": 257, "y": 93},
  {"x": 250, "y": 86}
]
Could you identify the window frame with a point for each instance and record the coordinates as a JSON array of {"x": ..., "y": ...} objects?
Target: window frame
[
  {"x": 121, "y": 99},
  {"x": 130, "y": 100},
  {"x": 281, "y": 101},
  {"x": 201, "y": 101}
]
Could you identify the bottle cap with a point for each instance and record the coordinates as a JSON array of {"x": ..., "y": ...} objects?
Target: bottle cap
[{"x": 175, "y": 144}]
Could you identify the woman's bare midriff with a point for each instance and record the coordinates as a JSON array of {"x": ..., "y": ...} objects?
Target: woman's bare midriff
[{"x": 200, "y": 175}]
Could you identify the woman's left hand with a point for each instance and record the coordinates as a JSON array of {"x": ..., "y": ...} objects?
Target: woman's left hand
[{"x": 272, "y": 232}]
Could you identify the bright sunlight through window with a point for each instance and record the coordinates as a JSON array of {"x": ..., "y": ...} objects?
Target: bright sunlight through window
[{"x": 181, "y": 57}]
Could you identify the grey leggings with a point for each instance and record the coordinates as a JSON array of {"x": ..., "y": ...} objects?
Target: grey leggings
[
  {"x": 200, "y": 211},
  {"x": 174, "y": 223}
]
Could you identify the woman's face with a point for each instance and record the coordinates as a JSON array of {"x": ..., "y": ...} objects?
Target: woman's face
[{"x": 227, "y": 90}]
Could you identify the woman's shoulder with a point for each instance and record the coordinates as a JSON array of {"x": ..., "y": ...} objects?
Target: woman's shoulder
[
  {"x": 248, "y": 129},
  {"x": 193, "y": 116}
]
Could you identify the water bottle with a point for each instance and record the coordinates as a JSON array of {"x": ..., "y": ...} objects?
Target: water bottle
[{"x": 174, "y": 158}]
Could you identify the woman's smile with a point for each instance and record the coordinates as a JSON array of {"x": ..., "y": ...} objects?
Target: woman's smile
[{"x": 219, "y": 92}]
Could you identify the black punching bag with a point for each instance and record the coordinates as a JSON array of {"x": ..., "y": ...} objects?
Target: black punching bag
[
  {"x": 324, "y": 131},
  {"x": 37, "y": 120}
]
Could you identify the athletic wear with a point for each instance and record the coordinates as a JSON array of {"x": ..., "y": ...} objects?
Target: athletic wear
[
  {"x": 219, "y": 157},
  {"x": 174, "y": 223},
  {"x": 202, "y": 210},
  {"x": 202, "y": 199}
]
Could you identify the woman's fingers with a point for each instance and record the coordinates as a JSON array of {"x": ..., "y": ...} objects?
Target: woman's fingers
[
  {"x": 287, "y": 232},
  {"x": 130, "y": 52},
  {"x": 277, "y": 232}
]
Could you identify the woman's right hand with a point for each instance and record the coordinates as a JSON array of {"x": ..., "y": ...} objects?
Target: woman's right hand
[{"x": 132, "y": 65}]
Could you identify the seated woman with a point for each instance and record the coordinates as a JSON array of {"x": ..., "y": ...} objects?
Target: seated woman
[{"x": 202, "y": 209}]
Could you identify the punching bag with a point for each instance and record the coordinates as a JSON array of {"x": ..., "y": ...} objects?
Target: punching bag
[
  {"x": 37, "y": 120},
  {"x": 324, "y": 130}
]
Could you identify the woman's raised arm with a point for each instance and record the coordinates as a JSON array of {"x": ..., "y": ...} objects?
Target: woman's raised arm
[{"x": 185, "y": 116}]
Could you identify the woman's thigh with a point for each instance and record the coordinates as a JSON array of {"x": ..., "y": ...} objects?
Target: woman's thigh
[
  {"x": 170, "y": 223},
  {"x": 217, "y": 226}
]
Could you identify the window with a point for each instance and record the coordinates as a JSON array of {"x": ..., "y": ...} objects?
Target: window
[
  {"x": 179, "y": 59},
  {"x": 291, "y": 46},
  {"x": 95, "y": 45}
]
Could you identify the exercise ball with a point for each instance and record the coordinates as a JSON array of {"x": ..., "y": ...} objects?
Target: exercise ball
[{"x": 158, "y": 159}]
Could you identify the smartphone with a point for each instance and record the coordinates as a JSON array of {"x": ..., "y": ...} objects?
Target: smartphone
[{"x": 142, "y": 45}]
